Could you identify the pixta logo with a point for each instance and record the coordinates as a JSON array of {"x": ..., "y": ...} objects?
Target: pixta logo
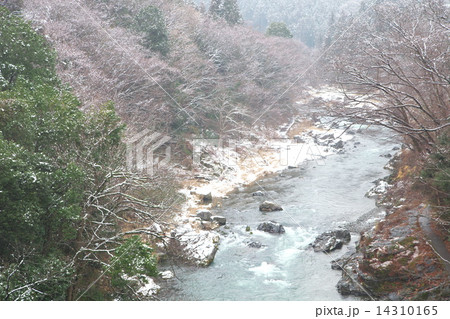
[{"x": 141, "y": 150}]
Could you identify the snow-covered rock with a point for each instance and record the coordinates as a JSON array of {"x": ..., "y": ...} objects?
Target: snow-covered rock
[
  {"x": 331, "y": 240},
  {"x": 198, "y": 246},
  {"x": 149, "y": 289},
  {"x": 166, "y": 274},
  {"x": 144, "y": 285},
  {"x": 379, "y": 189}
]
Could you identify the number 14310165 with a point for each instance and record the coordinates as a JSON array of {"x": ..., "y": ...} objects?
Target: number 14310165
[{"x": 407, "y": 310}]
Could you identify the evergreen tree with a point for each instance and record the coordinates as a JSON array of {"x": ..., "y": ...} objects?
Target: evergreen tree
[
  {"x": 227, "y": 10},
  {"x": 231, "y": 12},
  {"x": 216, "y": 8},
  {"x": 278, "y": 29},
  {"x": 24, "y": 55},
  {"x": 151, "y": 22}
]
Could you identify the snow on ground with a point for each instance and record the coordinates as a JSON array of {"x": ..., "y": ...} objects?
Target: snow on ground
[
  {"x": 146, "y": 286},
  {"x": 334, "y": 94},
  {"x": 328, "y": 93},
  {"x": 246, "y": 162}
]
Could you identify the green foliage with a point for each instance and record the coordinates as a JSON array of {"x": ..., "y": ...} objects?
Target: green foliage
[
  {"x": 24, "y": 55},
  {"x": 151, "y": 22},
  {"x": 52, "y": 156},
  {"x": 279, "y": 29},
  {"x": 43, "y": 119},
  {"x": 231, "y": 12},
  {"x": 228, "y": 10},
  {"x": 39, "y": 200},
  {"x": 132, "y": 259}
]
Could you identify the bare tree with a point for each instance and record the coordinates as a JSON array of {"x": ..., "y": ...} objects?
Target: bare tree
[{"x": 395, "y": 67}]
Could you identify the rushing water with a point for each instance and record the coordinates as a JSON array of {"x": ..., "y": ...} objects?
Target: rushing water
[{"x": 317, "y": 197}]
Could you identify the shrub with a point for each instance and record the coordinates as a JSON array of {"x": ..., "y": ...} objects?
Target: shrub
[
  {"x": 151, "y": 22},
  {"x": 279, "y": 29},
  {"x": 133, "y": 261}
]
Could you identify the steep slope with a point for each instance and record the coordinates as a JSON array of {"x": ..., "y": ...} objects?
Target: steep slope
[{"x": 213, "y": 77}]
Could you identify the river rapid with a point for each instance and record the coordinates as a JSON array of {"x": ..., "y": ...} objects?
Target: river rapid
[{"x": 316, "y": 197}]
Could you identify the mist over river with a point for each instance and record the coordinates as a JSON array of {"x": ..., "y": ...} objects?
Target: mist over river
[{"x": 316, "y": 197}]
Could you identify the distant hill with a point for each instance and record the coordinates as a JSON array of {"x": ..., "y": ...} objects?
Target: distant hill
[{"x": 308, "y": 20}]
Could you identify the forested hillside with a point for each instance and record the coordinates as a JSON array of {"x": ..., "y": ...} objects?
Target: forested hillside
[{"x": 184, "y": 72}]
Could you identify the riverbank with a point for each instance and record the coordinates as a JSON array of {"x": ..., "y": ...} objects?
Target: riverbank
[{"x": 402, "y": 258}]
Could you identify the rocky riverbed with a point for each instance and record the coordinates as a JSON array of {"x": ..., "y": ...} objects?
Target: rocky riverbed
[
  {"x": 266, "y": 254},
  {"x": 196, "y": 239}
]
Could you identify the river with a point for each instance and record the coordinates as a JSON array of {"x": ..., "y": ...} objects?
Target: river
[{"x": 317, "y": 197}]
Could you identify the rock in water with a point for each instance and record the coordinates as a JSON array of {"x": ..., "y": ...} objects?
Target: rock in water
[
  {"x": 338, "y": 145},
  {"x": 204, "y": 214},
  {"x": 255, "y": 244},
  {"x": 167, "y": 274},
  {"x": 331, "y": 240},
  {"x": 219, "y": 220},
  {"x": 258, "y": 193},
  {"x": 269, "y": 207},
  {"x": 271, "y": 227}
]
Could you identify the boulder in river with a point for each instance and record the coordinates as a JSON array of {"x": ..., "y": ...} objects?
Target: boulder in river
[
  {"x": 271, "y": 227},
  {"x": 198, "y": 247},
  {"x": 269, "y": 207},
  {"x": 254, "y": 244},
  {"x": 338, "y": 145},
  {"x": 204, "y": 214},
  {"x": 258, "y": 193},
  {"x": 331, "y": 240},
  {"x": 167, "y": 274},
  {"x": 219, "y": 220}
]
